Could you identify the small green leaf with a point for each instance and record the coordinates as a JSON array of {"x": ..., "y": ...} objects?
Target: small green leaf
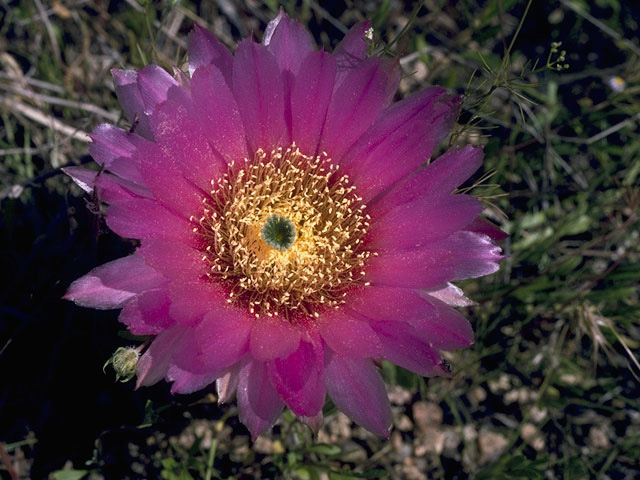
[{"x": 70, "y": 474}]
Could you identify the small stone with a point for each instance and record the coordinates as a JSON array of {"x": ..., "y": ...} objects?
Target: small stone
[
  {"x": 412, "y": 472},
  {"x": 469, "y": 433},
  {"x": 404, "y": 423},
  {"x": 502, "y": 384},
  {"x": 532, "y": 436},
  {"x": 538, "y": 414},
  {"x": 427, "y": 415},
  {"x": 263, "y": 444},
  {"x": 399, "y": 396},
  {"x": 598, "y": 438},
  {"x": 477, "y": 395},
  {"x": 430, "y": 442},
  {"x": 452, "y": 439},
  {"x": 399, "y": 446},
  {"x": 491, "y": 445}
]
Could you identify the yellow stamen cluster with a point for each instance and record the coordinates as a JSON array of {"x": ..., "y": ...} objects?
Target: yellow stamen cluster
[{"x": 327, "y": 256}]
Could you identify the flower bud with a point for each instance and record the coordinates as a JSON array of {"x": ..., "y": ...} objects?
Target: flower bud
[{"x": 124, "y": 361}]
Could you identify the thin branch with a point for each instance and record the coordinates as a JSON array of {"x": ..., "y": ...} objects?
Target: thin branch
[
  {"x": 87, "y": 107},
  {"x": 44, "y": 119}
]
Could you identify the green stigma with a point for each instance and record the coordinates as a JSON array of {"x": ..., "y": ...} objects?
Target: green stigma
[{"x": 278, "y": 232}]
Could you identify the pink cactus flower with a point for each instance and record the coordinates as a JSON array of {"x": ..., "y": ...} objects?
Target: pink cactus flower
[{"x": 290, "y": 234}]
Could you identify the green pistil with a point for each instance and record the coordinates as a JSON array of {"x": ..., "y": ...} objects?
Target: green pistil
[{"x": 278, "y": 232}]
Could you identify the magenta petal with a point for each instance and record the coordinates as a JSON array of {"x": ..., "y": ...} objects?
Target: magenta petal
[
  {"x": 113, "y": 284},
  {"x": 191, "y": 301},
  {"x": 352, "y": 49},
  {"x": 416, "y": 224},
  {"x": 113, "y": 148},
  {"x": 312, "y": 90},
  {"x": 299, "y": 378},
  {"x": 180, "y": 138},
  {"x": 186, "y": 382},
  {"x": 164, "y": 178},
  {"x": 258, "y": 89},
  {"x": 347, "y": 336},
  {"x": 441, "y": 177},
  {"x": 154, "y": 83},
  {"x": 314, "y": 422},
  {"x": 205, "y": 49},
  {"x": 356, "y": 388},
  {"x": 445, "y": 328},
  {"x": 402, "y": 345},
  {"x": 402, "y": 139},
  {"x": 457, "y": 257},
  {"x": 183, "y": 80},
  {"x": 273, "y": 337},
  {"x": 174, "y": 260},
  {"x": 223, "y": 337},
  {"x": 217, "y": 110},
  {"x": 227, "y": 384},
  {"x": 289, "y": 42},
  {"x": 485, "y": 227},
  {"x": 354, "y": 106},
  {"x": 434, "y": 322},
  {"x": 147, "y": 313},
  {"x": 451, "y": 295},
  {"x": 259, "y": 405},
  {"x": 145, "y": 218},
  {"x": 128, "y": 93},
  {"x": 153, "y": 365},
  {"x": 82, "y": 177},
  {"x": 111, "y": 189}
]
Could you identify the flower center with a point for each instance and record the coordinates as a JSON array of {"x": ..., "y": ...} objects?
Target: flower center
[
  {"x": 278, "y": 232},
  {"x": 284, "y": 234}
]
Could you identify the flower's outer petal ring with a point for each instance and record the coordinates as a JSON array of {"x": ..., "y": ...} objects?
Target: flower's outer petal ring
[
  {"x": 402, "y": 345},
  {"x": 259, "y": 405},
  {"x": 258, "y": 90},
  {"x": 273, "y": 337},
  {"x": 436, "y": 323},
  {"x": 354, "y": 106},
  {"x": 310, "y": 99},
  {"x": 180, "y": 138},
  {"x": 356, "y": 388},
  {"x": 485, "y": 227},
  {"x": 205, "y": 49},
  {"x": 352, "y": 49},
  {"x": 460, "y": 256},
  {"x": 164, "y": 177},
  {"x": 348, "y": 336},
  {"x": 217, "y": 110},
  {"x": 449, "y": 294},
  {"x": 288, "y": 41},
  {"x": 148, "y": 312},
  {"x": 128, "y": 93},
  {"x": 113, "y": 284},
  {"x": 187, "y": 382},
  {"x": 404, "y": 136},
  {"x": 440, "y": 177},
  {"x": 154, "y": 364},
  {"x": 145, "y": 218},
  {"x": 113, "y": 149},
  {"x": 417, "y": 224},
  {"x": 299, "y": 377}
]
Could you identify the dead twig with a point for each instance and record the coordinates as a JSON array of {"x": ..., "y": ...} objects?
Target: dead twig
[
  {"x": 44, "y": 119},
  {"x": 87, "y": 107}
]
